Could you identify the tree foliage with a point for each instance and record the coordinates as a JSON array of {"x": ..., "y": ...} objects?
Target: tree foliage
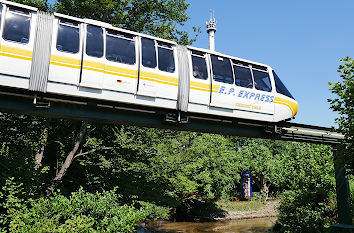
[
  {"x": 79, "y": 212},
  {"x": 162, "y": 18},
  {"x": 308, "y": 204},
  {"x": 343, "y": 103}
]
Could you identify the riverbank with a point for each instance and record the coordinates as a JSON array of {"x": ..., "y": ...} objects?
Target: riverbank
[
  {"x": 255, "y": 225},
  {"x": 240, "y": 211},
  {"x": 268, "y": 210},
  {"x": 250, "y": 216}
]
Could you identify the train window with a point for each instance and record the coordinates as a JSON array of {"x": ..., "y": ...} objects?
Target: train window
[
  {"x": 120, "y": 48},
  {"x": 17, "y": 26},
  {"x": 199, "y": 67},
  {"x": 149, "y": 53},
  {"x": 94, "y": 41},
  {"x": 280, "y": 87},
  {"x": 261, "y": 80},
  {"x": 243, "y": 76},
  {"x": 0, "y": 12},
  {"x": 222, "y": 69},
  {"x": 68, "y": 39},
  {"x": 166, "y": 59}
]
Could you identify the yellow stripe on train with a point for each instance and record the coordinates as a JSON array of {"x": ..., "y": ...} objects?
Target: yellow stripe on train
[
  {"x": 100, "y": 67},
  {"x": 8, "y": 51},
  {"x": 290, "y": 104}
]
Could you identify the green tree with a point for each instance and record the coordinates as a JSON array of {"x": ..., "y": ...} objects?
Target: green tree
[
  {"x": 42, "y": 5},
  {"x": 21, "y": 139},
  {"x": 265, "y": 167},
  {"x": 309, "y": 203},
  {"x": 161, "y": 18},
  {"x": 343, "y": 103}
]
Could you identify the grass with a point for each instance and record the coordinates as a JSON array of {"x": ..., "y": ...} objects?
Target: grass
[{"x": 242, "y": 206}]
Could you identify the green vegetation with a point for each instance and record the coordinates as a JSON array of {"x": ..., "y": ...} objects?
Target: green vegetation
[
  {"x": 172, "y": 173},
  {"x": 343, "y": 103},
  {"x": 161, "y": 18},
  {"x": 79, "y": 212}
]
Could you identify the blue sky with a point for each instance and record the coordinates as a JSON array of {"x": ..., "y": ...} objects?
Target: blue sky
[{"x": 302, "y": 40}]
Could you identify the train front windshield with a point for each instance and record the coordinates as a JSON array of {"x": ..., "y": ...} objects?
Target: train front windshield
[{"x": 280, "y": 87}]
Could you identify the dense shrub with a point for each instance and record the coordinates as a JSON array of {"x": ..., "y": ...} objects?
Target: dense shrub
[
  {"x": 306, "y": 211},
  {"x": 310, "y": 205},
  {"x": 80, "y": 212}
]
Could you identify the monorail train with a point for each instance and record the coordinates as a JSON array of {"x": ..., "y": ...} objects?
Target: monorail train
[{"x": 64, "y": 55}]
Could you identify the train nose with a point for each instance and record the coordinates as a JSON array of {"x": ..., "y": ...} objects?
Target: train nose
[{"x": 295, "y": 107}]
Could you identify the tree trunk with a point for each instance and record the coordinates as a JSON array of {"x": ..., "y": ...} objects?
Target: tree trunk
[
  {"x": 265, "y": 190},
  {"x": 40, "y": 154},
  {"x": 262, "y": 185},
  {"x": 69, "y": 159}
]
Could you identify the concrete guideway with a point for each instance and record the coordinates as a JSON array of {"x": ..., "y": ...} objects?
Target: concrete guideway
[{"x": 56, "y": 106}]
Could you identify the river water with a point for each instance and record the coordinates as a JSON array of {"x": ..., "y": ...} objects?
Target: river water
[{"x": 257, "y": 225}]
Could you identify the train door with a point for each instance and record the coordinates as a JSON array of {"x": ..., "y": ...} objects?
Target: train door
[
  {"x": 16, "y": 43},
  {"x": 66, "y": 52},
  {"x": 223, "y": 87},
  {"x": 200, "y": 84},
  {"x": 158, "y": 76},
  {"x": 121, "y": 66},
  {"x": 253, "y": 88},
  {"x": 92, "y": 59},
  {"x": 263, "y": 89}
]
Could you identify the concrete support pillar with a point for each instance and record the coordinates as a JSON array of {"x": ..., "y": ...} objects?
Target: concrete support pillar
[{"x": 345, "y": 214}]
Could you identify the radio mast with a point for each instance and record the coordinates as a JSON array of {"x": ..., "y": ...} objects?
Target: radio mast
[{"x": 211, "y": 29}]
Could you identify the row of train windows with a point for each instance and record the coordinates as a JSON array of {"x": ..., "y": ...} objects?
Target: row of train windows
[
  {"x": 225, "y": 72},
  {"x": 119, "y": 47}
]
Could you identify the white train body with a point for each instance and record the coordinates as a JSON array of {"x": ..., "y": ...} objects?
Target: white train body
[{"x": 84, "y": 58}]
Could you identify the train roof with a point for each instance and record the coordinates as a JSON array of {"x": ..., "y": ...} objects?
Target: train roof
[
  {"x": 109, "y": 26},
  {"x": 228, "y": 56},
  {"x": 31, "y": 8}
]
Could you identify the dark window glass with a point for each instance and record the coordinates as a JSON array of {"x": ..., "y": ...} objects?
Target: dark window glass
[
  {"x": 280, "y": 87},
  {"x": 222, "y": 69},
  {"x": 166, "y": 60},
  {"x": 199, "y": 67},
  {"x": 243, "y": 77},
  {"x": 17, "y": 26},
  {"x": 262, "y": 80},
  {"x": 149, "y": 53},
  {"x": 68, "y": 38},
  {"x": 120, "y": 50},
  {"x": 0, "y": 12},
  {"x": 94, "y": 41}
]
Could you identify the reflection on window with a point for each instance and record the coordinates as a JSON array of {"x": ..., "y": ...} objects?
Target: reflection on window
[
  {"x": 120, "y": 49},
  {"x": 280, "y": 87},
  {"x": 262, "y": 80},
  {"x": 94, "y": 41},
  {"x": 243, "y": 76},
  {"x": 0, "y": 13},
  {"x": 68, "y": 37},
  {"x": 149, "y": 53},
  {"x": 222, "y": 69},
  {"x": 166, "y": 59},
  {"x": 17, "y": 26},
  {"x": 199, "y": 67}
]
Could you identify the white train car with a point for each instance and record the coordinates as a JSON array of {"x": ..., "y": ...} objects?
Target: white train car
[{"x": 64, "y": 55}]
